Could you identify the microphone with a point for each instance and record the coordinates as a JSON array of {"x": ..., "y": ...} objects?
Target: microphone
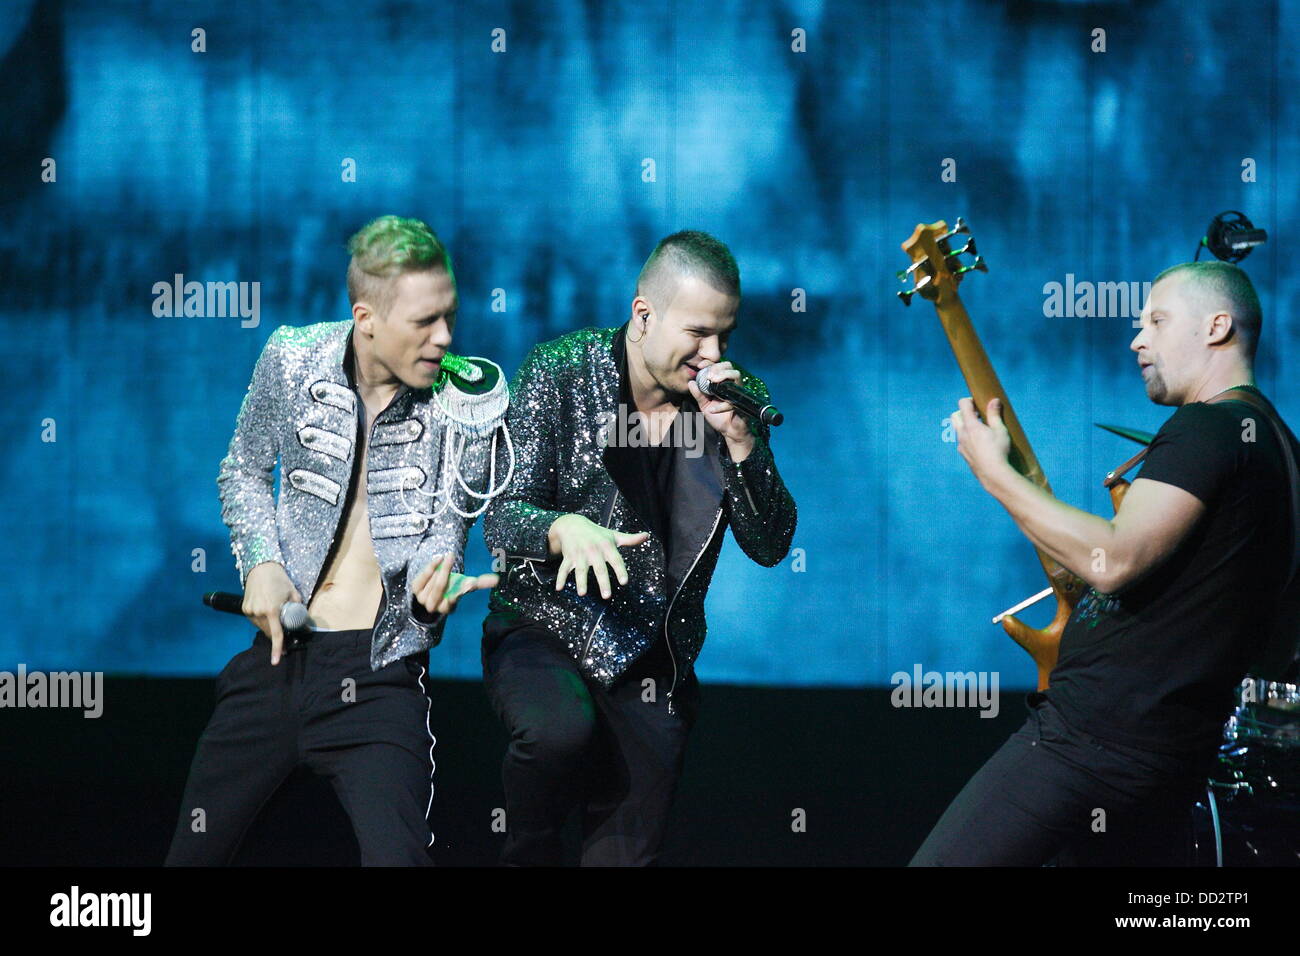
[
  {"x": 1230, "y": 236},
  {"x": 742, "y": 400},
  {"x": 293, "y": 615}
]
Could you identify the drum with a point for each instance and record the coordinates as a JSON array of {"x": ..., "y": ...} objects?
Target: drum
[{"x": 1250, "y": 813}]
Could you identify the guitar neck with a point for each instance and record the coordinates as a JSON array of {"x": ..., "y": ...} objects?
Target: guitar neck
[{"x": 984, "y": 385}]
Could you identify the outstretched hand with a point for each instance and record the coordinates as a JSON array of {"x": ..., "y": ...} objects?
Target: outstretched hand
[{"x": 586, "y": 546}]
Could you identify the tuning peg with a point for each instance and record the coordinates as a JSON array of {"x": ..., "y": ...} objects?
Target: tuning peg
[
  {"x": 961, "y": 229},
  {"x": 906, "y": 294},
  {"x": 905, "y": 274},
  {"x": 976, "y": 266},
  {"x": 952, "y": 260}
]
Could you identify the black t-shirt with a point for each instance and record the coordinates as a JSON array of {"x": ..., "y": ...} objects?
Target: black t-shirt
[
  {"x": 651, "y": 490},
  {"x": 1155, "y": 664}
]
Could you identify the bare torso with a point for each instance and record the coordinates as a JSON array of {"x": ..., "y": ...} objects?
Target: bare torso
[{"x": 350, "y": 590}]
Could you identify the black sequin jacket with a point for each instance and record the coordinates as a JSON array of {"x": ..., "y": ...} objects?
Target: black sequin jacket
[{"x": 562, "y": 395}]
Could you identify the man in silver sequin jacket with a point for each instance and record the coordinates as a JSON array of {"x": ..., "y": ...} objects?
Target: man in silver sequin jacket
[
  {"x": 386, "y": 444},
  {"x": 301, "y": 406},
  {"x": 640, "y": 528}
]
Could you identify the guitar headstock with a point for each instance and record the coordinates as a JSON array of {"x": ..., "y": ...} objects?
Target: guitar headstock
[{"x": 937, "y": 268}]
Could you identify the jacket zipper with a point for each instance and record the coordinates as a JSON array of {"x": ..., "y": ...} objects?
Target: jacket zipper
[
  {"x": 530, "y": 561},
  {"x": 669, "y": 616},
  {"x": 744, "y": 484},
  {"x": 609, "y": 513}
]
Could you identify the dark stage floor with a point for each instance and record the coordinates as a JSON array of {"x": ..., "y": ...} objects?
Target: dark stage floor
[{"x": 871, "y": 779}]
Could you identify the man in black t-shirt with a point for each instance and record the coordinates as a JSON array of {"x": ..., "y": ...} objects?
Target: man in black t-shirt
[{"x": 1182, "y": 582}]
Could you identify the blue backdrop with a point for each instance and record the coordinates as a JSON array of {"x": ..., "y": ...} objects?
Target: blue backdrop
[{"x": 812, "y": 137}]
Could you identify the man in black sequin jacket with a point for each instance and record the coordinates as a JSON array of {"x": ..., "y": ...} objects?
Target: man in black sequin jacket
[{"x": 627, "y": 480}]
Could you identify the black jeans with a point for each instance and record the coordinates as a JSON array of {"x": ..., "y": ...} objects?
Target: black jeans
[
  {"x": 614, "y": 753},
  {"x": 1053, "y": 792},
  {"x": 322, "y": 707}
]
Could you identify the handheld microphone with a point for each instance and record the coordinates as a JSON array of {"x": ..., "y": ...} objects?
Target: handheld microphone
[
  {"x": 293, "y": 615},
  {"x": 742, "y": 400}
]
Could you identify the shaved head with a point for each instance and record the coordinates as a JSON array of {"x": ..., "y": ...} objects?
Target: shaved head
[
  {"x": 687, "y": 253},
  {"x": 1222, "y": 287}
]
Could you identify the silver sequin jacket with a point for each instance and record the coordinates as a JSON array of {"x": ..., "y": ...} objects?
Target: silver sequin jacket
[
  {"x": 301, "y": 408},
  {"x": 562, "y": 394}
]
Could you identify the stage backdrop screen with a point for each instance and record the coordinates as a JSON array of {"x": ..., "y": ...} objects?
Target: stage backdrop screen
[{"x": 550, "y": 145}]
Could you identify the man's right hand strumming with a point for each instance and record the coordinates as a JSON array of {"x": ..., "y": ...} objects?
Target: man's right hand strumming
[
  {"x": 586, "y": 546},
  {"x": 266, "y": 590}
]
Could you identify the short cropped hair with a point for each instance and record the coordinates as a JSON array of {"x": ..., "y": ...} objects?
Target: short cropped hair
[
  {"x": 384, "y": 249},
  {"x": 1221, "y": 285},
  {"x": 687, "y": 253}
]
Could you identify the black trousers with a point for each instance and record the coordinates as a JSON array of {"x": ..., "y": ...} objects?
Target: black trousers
[
  {"x": 615, "y": 754},
  {"x": 322, "y": 707},
  {"x": 1054, "y": 792}
]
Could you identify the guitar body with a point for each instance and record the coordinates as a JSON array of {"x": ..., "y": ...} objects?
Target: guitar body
[{"x": 1043, "y": 644}]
